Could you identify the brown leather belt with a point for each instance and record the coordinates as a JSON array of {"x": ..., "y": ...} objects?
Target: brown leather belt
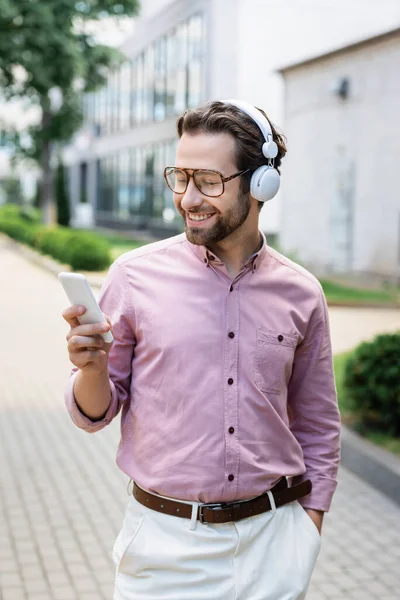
[{"x": 223, "y": 512}]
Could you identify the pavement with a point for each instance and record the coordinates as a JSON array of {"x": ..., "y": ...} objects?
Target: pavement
[{"x": 62, "y": 496}]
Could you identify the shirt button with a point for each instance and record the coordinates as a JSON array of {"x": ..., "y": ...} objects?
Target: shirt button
[
  {"x": 231, "y": 477},
  {"x": 280, "y": 338},
  {"x": 231, "y": 430},
  {"x": 231, "y": 335},
  {"x": 230, "y": 381}
]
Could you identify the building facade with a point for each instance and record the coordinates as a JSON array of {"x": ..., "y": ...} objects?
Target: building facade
[
  {"x": 340, "y": 195},
  {"x": 181, "y": 54},
  {"x": 116, "y": 162}
]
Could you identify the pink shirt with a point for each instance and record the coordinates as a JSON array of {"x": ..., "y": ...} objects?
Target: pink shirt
[{"x": 224, "y": 385}]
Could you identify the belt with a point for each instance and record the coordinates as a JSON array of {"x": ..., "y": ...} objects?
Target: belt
[{"x": 223, "y": 512}]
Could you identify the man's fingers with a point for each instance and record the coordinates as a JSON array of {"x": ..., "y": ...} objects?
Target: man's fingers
[
  {"x": 94, "y": 329},
  {"x": 78, "y": 342},
  {"x": 71, "y": 314}
]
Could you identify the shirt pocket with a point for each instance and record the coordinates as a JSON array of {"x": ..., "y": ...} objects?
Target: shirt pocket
[{"x": 273, "y": 360}]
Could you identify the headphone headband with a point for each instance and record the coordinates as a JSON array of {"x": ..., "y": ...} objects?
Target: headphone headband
[
  {"x": 269, "y": 148},
  {"x": 265, "y": 181}
]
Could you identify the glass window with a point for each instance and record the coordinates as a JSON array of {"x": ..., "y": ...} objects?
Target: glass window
[
  {"x": 181, "y": 74},
  {"x": 160, "y": 104},
  {"x": 148, "y": 101},
  {"x": 124, "y": 104},
  {"x": 172, "y": 67},
  {"x": 140, "y": 89},
  {"x": 195, "y": 61},
  {"x": 123, "y": 185}
]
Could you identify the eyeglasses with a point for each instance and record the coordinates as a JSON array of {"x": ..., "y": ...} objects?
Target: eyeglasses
[{"x": 208, "y": 182}]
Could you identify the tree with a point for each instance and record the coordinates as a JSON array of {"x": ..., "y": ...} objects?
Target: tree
[{"x": 45, "y": 52}]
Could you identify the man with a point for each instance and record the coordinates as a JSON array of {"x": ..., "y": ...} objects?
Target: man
[{"x": 222, "y": 367}]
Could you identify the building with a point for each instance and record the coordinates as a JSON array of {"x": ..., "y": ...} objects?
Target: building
[
  {"x": 340, "y": 195},
  {"x": 180, "y": 55}
]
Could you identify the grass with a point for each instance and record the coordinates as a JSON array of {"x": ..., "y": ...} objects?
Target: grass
[
  {"x": 121, "y": 244},
  {"x": 349, "y": 418},
  {"x": 338, "y": 293}
]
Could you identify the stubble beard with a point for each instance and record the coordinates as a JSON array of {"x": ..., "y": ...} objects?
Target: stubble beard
[{"x": 224, "y": 226}]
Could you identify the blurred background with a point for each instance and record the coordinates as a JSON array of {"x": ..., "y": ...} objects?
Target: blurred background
[{"x": 89, "y": 97}]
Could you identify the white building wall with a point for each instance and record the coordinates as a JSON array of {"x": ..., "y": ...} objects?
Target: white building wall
[
  {"x": 340, "y": 198},
  {"x": 272, "y": 33}
]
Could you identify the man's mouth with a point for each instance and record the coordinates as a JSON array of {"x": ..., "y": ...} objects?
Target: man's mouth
[{"x": 198, "y": 217}]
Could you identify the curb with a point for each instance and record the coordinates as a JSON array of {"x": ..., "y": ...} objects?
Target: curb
[{"x": 373, "y": 464}]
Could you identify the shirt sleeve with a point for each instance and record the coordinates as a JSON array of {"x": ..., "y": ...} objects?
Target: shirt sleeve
[
  {"x": 114, "y": 302},
  {"x": 313, "y": 410}
]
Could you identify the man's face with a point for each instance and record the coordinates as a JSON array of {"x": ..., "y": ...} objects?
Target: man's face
[{"x": 222, "y": 215}]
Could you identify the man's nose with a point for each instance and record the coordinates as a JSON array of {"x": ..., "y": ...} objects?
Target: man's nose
[{"x": 192, "y": 197}]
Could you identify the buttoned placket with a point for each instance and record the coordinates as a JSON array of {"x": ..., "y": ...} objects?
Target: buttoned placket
[{"x": 231, "y": 393}]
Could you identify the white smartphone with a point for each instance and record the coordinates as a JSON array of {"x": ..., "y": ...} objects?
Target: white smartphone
[{"x": 78, "y": 290}]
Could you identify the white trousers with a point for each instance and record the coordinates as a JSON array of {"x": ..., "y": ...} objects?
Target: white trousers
[{"x": 266, "y": 557}]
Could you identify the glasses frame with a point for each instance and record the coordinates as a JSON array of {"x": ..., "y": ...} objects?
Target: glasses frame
[{"x": 193, "y": 173}]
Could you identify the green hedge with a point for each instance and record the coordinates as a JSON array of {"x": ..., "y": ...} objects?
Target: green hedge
[
  {"x": 372, "y": 384},
  {"x": 79, "y": 249}
]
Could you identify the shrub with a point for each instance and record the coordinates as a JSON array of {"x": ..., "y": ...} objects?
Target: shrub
[
  {"x": 54, "y": 242},
  {"x": 88, "y": 253},
  {"x": 18, "y": 230},
  {"x": 80, "y": 249},
  {"x": 14, "y": 211},
  {"x": 372, "y": 384}
]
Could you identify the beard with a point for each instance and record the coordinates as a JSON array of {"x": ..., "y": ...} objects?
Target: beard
[{"x": 223, "y": 226}]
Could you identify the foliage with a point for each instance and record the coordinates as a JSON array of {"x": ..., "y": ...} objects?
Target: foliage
[
  {"x": 89, "y": 253},
  {"x": 372, "y": 384},
  {"x": 79, "y": 249},
  {"x": 46, "y": 53}
]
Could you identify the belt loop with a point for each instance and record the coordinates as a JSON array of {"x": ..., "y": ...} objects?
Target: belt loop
[
  {"x": 272, "y": 501},
  {"x": 193, "y": 520},
  {"x": 129, "y": 490}
]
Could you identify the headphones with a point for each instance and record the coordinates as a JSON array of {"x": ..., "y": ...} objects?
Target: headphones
[{"x": 265, "y": 181}]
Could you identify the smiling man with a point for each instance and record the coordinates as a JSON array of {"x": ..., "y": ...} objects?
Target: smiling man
[{"x": 222, "y": 367}]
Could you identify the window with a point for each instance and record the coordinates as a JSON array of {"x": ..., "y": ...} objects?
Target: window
[
  {"x": 162, "y": 81},
  {"x": 124, "y": 100}
]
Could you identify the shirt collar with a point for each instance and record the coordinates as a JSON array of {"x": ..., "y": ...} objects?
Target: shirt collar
[{"x": 207, "y": 257}]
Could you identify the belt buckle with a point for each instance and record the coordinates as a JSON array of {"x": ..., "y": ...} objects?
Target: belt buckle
[{"x": 211, "y": 506}]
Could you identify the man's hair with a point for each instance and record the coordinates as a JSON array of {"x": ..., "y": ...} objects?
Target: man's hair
[{"x": 221, "y": 117}]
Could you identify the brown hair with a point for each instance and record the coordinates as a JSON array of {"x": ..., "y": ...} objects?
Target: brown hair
[{"x": 221, "y": 117}]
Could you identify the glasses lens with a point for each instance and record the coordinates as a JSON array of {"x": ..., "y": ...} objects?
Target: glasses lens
[
  {"x": 177, "y": 180},
  {"x": 209, "y": 183}
]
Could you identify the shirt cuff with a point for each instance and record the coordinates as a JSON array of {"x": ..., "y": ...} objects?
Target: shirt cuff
[
  {"x": 81, "y": 420},
  {"x": 321, "y": 494}
]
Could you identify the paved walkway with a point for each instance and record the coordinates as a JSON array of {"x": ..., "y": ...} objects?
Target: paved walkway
[{"x": 63, "y": 498}]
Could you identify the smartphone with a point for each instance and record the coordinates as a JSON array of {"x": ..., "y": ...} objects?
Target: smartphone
[{"x": 78, "y": 290}]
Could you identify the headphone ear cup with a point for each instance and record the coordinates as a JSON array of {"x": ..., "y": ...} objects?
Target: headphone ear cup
[{"x": 264, "y": 184}]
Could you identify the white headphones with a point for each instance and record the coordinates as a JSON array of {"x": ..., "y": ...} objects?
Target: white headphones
[{"x": 265, "y": 181}]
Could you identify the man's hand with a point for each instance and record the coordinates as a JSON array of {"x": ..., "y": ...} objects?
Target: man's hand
[{"x": 316, "y": 516}]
